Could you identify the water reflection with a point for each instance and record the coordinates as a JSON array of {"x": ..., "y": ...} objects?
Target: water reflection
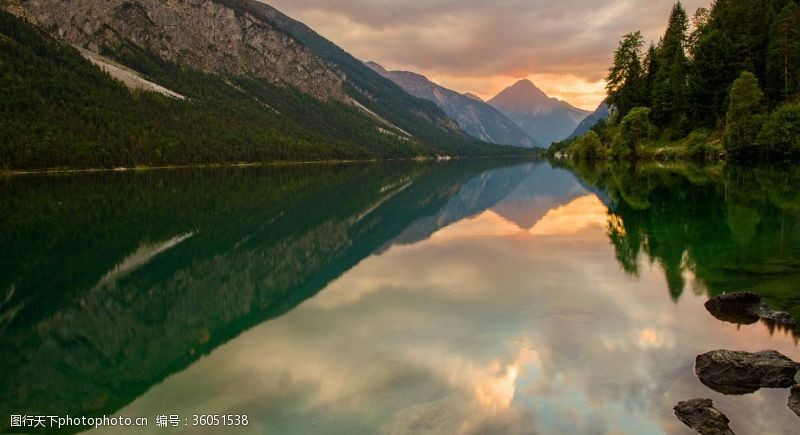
[
  {"x": 111, "y": 282},
  {"x": 476, "y": 331},
  {"x": 446, "y": 299},
  {"x": 734, "y": 228}
]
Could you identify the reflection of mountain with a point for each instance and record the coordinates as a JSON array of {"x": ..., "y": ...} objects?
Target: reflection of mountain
[
  {"x": 522, "y": 194},
  {"x": 477, "y": 195},
  {"x": 733, "y": 229},
  {"x": 110, "y": 282},
  {"x": 543, "y": 189}
]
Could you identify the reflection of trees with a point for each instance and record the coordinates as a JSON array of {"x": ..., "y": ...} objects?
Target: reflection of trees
[
  {"x": 627, "y": 245},
  {"x": 263, "y": 241},
  {"x": 735, "y": 228}
]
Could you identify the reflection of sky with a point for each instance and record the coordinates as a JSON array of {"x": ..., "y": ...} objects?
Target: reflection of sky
[{"x": 483, "y": 328}]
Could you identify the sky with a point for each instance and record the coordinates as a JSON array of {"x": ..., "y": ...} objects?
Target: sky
[{"x": 483, "y": 46}]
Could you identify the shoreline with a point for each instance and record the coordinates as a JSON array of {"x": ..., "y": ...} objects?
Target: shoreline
[{"x": 16, "y": 173}]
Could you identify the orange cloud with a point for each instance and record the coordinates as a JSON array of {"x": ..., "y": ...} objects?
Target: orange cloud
[{"x": 483, "y": 46}]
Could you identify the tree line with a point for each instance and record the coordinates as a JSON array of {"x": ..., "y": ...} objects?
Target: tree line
[{"x": 725, "y": 82}]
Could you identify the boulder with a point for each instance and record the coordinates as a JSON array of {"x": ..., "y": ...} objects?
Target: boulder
[
  {"x": 700, "y": 415},
  {"x": 732, "y": 372},
  {"x": 746, "y": 308},
  {"x": 735, "y": 307},
  {"x": 794, "y": 400}
]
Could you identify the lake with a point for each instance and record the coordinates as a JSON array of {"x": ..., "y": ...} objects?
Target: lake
[{"x": 455, "y": 297}]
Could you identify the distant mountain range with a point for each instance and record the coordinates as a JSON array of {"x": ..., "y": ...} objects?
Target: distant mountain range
[
  {"x": 473, "y": 115},
  {"x": 544, "y": 118},
  {"x": 238, "y": 81},
  {"x": 599, "y": 114}
]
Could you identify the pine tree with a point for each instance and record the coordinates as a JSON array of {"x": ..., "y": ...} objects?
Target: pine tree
[
  {"x": 783, "y": 60},
  {"x": 699, "y": 22},
  {"x": 651, "y": 68},
  {"x": 625, "y": 82},
  {"x": 669, "y": 99}
]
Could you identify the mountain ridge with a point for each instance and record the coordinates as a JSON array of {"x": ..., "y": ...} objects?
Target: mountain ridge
[
  {"x": 475, "y": 117},
  {"x": 473, "y": 96},
  {"x": 602, "y": 112}
]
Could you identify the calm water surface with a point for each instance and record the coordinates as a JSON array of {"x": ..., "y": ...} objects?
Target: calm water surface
[{"x": 408, "y": 299}]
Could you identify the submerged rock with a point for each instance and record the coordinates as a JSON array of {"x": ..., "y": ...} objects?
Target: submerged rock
[
  {"x": 746, "y": 308},
  {"x": 700, "y": 415},
  {"x": 794, "y": 400},
  {"x": 732, "y": 372}
]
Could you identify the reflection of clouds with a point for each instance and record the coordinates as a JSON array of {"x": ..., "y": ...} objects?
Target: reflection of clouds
[
  {"x": 578, "y": 216},
  {"x": 483, "y": 328},
  {"x": 456, "y": 414},
  {"x": 496, "y": 389},
  {"x": 646, "y": 338},
  {"x": 650, "y": 338},
  {"x": 575, "y": 217},
  {"x": 488, "y": 223}
]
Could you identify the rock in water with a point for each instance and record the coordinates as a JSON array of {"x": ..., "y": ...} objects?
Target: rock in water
[
  {"x": 735, "y": 307},
  {"x": 746, "y": 308},
  {"x": 700, "y": 415},
  {"x": 732, "y": 372},
  {"x": 794, "y": 400}
]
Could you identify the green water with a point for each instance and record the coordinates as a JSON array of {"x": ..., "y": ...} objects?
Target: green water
[{"x": 470, "y": 297}]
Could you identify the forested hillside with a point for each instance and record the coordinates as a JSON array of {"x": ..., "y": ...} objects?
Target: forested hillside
[
  {"x": 58, "y": 110},
  {"x": 726, "y": 82}
]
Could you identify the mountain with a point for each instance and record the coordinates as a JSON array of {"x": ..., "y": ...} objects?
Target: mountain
[
  {"x": 473, "y": 115},
  {"x": 473, "y": 96},
  {"x": 234, "y": 81},
  {"x": 601, "y": 113},
  {"x": 543, "y": 118}
]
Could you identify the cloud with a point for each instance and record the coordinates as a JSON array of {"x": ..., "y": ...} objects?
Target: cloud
[{"x": 483, "y": 46}]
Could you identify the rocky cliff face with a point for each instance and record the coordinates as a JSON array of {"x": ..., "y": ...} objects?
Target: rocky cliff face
[
  {"x": 215, "y": 36},
  {"x": 475, "y": 117}
]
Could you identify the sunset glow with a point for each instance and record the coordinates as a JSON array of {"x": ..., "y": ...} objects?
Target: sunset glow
[{"x": 482, "y": 47}]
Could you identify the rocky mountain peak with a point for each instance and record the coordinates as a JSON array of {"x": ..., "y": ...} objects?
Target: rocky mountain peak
[
  {"x": 521, "y": 92},
  {"x": 544, "y": 118},
  {"x": 217, "y": 36}
]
